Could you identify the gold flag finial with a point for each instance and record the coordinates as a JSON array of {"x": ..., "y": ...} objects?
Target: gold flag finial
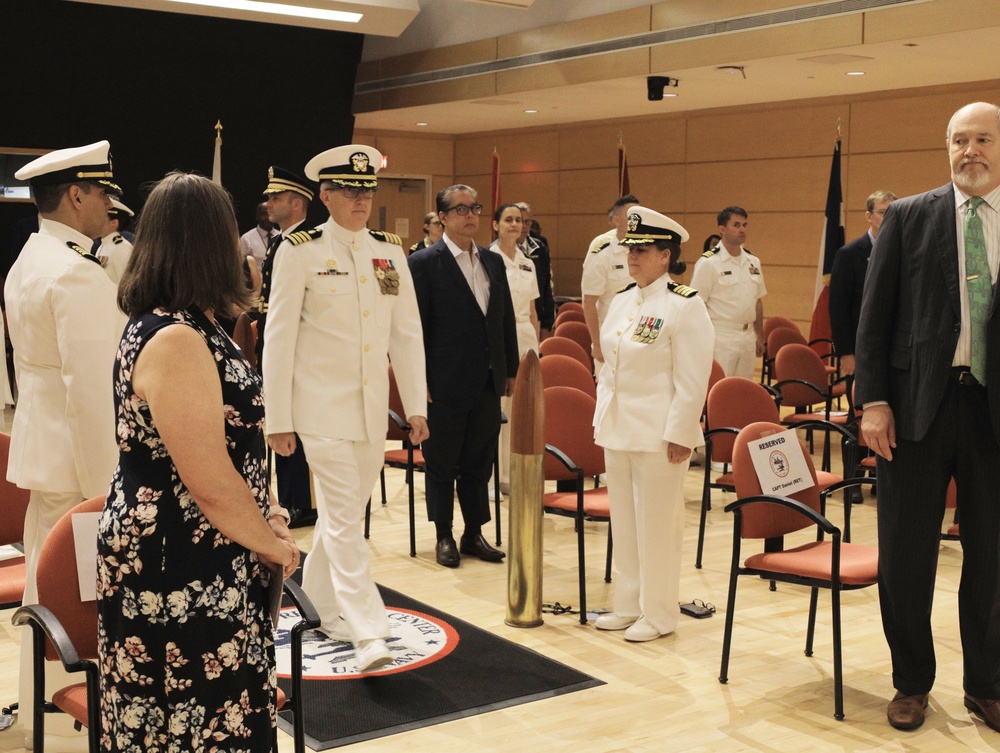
[{"x": 840, "y": 122}]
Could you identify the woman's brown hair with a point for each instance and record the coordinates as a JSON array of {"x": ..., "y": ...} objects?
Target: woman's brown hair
[{"x": 186, "y": 250}]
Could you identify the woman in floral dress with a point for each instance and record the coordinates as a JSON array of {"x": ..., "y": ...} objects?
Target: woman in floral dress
[{"x": 187, "y": 537}]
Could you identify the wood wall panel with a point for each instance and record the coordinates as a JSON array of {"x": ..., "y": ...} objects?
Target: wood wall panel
[
  {"x": 922, "y": 19},
  {"x": 435, "y": 59},
  {"x": 904, "y": 174},
  {"x": 910, "y": 122},
  {"x": 416, "y": 156},
  {"x": 765, "y": 134},
  {"x": 691, "y": 165},
  {"x": 796, "y": 184},
  {"x": 679, "y": 13}
]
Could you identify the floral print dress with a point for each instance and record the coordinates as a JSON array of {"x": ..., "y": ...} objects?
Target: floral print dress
[{"x": 185, "y": 645}]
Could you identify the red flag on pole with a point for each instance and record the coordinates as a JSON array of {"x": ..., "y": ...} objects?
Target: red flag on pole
[
  {"x": 495, "y": 195},
  {"x": 623, "y": 187}
]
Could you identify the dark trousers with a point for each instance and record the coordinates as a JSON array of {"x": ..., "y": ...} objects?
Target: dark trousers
[
  {"x": 459, "y": 453},
  {"x": 293, "y": 479},
  {"x": 911, "y": 499}
]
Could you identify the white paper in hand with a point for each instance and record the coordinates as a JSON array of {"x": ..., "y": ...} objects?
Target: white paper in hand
[
  {"x": 85, "y": 539},
  {"x": 781, "y": 467}
]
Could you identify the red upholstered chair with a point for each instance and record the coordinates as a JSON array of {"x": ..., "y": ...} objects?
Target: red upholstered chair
[
  {"x": 803, "y": 382},
  {"x": 569, "y": 315},
  {"x": 570, "y": 306},
  {"x": 777, "y": 322},
  {"x": 578, "y": 333},
  {"x": 13, "y": 506},
  {"x": 823, "y": 563},
  {"x": 571, "y": 455},
  {"x": 566, "y": 371},
  {"x": 563, "y": 346},
  {"x": 64, "y": 628},
  {"x": 406, "y": 457}
]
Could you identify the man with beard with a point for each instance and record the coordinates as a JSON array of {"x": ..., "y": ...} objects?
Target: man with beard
[{"x": 928, "y": 378}]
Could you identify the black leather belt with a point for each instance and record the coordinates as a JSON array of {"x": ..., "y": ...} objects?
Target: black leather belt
[{"x": 964, "y": 377}]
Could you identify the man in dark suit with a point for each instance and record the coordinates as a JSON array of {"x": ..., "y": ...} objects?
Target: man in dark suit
[
  {"x": 847, "y": 281},
  {"x": 928, "y": 377},
  {"x": 471, "y": 351}
]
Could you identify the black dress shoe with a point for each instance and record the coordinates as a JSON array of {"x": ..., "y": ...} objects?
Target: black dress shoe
[
  {"x": 301, "y": 518},
  {"x": 987, "y": 709},
  {"x": 477, "y": 546},
  {"x": 446, "y": 553}
]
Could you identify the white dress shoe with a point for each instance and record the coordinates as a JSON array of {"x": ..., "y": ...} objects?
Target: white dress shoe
[
  {"x": 337, "y": 630},
  {"x": 372, "y": 654},
  {"x": 642, "y": 631},
  {"x": 612, "y": 621}
]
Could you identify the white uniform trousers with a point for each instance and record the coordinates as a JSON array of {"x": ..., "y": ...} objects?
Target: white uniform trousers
[
  {"x": 337, "y": 576},
  {"x": 44, "y": 511},
  {"x": 646, "y": 493},
  {"x": 736, "y": 351}
]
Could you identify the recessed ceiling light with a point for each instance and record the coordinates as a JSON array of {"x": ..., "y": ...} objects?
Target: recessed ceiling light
[
  {"x": 531, "y": 111},
  {"x": 421, "y": 123},
  {"x": 281, "y": 9},
  {"x": 855, "y": 73}
]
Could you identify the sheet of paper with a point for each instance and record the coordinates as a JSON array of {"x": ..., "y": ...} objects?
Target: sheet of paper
[
  {"x": 781, "y": 467},
  {"x": 85, "y": 537}
]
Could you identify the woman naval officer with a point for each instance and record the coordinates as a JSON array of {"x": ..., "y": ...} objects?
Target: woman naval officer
[{"x": 657, "y": 342}]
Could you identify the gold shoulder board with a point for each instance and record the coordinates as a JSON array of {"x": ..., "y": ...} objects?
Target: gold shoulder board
[
  {"x": 683, "y": 290},
  {"x": 382, "y": 235},
  {"x": 83, "y": 252},
  {"x": 710, "y": 253},
  {"x": 601, "y": 248},
  {"x": 304, "y": 236},
  {"x": 627, "y": 287}
]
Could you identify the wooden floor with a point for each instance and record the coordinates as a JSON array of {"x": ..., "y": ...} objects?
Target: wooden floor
[{"x": 664, "y": 695}]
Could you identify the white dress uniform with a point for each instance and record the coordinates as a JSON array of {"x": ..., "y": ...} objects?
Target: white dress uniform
[
  {"x": 605, "y": 272},
  {"x": 658, "y": 344},
  {"x": 65, "y": 327},
  {"x": 332, "y": 321},
  {"x": 113, "y": 254},
  {"x": 731, "y": 286},
  {"x": 523, "y": 285}
]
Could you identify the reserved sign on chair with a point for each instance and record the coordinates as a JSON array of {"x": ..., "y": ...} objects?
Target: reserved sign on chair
[{"x": 780, "y": 464}]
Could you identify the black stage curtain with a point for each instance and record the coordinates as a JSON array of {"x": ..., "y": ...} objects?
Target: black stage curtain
[{"x": 154, "y": 84}]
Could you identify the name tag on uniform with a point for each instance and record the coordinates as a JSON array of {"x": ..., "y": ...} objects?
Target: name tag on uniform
[
  {"x": 619, "y": 266},
  {"x": 647, "y": 330},
  {"x": 387, "y": 276},
  {"x": 327, "y": 272},
  {"x": 525, "y": 267},
  {"x": 727, "y": 272}
]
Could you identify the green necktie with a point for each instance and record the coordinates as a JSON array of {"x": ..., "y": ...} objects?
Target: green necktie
[{"x": 980, "y": 285}]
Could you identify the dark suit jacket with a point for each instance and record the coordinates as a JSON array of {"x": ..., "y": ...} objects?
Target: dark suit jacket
[
  {"x": 461, "y": 344},
  {"x": 847, "y": 283},
  {"x": 910, "y": 315},
  {"x": 545, "y": 306}
]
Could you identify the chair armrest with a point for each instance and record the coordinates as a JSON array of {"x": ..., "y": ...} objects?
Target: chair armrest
[
  {"x": 847, "y": 483},
  {"x": 792, "y": 504},
  {"x": 41, "y": 618},
  {"x": 721, "y": 430},
  {"x": 302, "y": 602},
  {"x": 563, "y": 458},
  {"x": 401, "y": 424},
  {"x": 822, "y": 394},
  {"x": 819, "y": 423}
]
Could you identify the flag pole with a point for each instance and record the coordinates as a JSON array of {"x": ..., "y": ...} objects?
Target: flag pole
[{"x": 217, "y": 161}]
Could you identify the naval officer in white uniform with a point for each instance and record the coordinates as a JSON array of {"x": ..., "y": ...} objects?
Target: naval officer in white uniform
[
  {"x": 115, "y": 248},
  {"x": 65, "y": 327},
  {"x": 657, "y": 343},
  {"x": 341, "y": 305}
]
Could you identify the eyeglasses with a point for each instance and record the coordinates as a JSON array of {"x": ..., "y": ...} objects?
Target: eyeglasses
[
  {"x": 463, "y": 209},
  {"x": 364, "y": 193},
  {"x": 435, "y": 222}
]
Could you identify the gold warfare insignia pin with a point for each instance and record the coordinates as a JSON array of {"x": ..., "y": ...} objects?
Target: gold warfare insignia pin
[
  {"x": 633, "y": 222},
  {"x": 270, "y": 173},
  {"x": 359, "y": 162}
]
